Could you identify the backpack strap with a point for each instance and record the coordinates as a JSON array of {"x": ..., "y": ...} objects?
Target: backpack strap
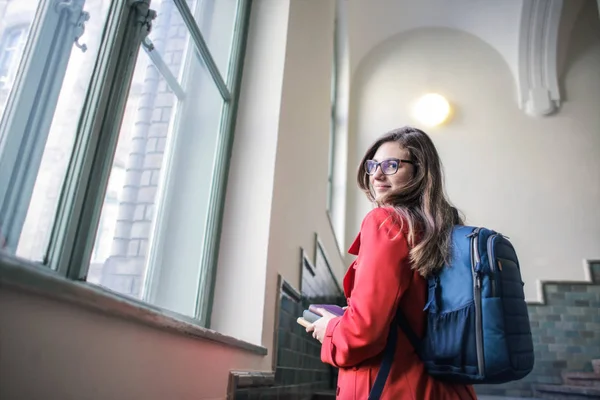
[
  {"x": 390, "y": 351},
  {"x": 408, "y": 331},
  {"x": 386, "y": 363},
  {"x": 390, "y": 347}
]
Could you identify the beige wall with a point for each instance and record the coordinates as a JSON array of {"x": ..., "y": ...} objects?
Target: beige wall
[
  {"x": 276, "y": 201},
  {"x": 300, "y": 183},
  {"x": 51, "y": 350},
  {"x": 536, "y": 180},
  {"x": 300, "y": 189},
  {"x": 245, "y": 236}
]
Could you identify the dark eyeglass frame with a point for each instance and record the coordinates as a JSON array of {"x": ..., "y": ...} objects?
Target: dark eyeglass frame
[{"x": 398, "y": 162}]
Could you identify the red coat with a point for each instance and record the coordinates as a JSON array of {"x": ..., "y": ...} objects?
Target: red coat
[{"x": 377, "y": 281}]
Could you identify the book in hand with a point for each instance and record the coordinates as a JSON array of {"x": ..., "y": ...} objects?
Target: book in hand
[
  {"x": 312, "y": 314},
  {"x": 332, "y": 308},
  {"x": 303, "y": 322},
  {"x": 308, "y": 318}
]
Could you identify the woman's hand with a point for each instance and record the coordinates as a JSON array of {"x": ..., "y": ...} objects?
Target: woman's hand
[{"x": 319, "y": 327}]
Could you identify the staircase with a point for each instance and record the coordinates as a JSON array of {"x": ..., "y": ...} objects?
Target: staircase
[
  {"x": 576, "y": 386},
  {"x": 324, "y": 395}
]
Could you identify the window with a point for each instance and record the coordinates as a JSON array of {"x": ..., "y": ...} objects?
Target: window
[
  {"x": 122, "y": 183},
  {"x": 333, "y": 117},
  {"x": 12, "y": 43},
  {"x": 11, "y": 51},
  {"x": 338, "y": 151},
  {"x": 40, "y": 121}
]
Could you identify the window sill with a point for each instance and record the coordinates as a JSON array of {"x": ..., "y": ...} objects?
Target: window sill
[{"x": 29, "y": 277}]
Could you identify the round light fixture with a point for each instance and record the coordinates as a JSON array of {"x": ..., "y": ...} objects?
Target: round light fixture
[{"x": 431, "y": 109}]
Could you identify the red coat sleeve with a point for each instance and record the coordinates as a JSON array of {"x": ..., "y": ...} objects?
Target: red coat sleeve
[{"x": 382, "y": 275}]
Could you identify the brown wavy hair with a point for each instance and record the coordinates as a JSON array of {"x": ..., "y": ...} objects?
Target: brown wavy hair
[{"x": 422, "y": 202}]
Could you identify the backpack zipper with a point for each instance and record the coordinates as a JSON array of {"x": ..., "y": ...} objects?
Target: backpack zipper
[
  {"x": 490, "y": 243},
  {"x": 477, "y": 297}
]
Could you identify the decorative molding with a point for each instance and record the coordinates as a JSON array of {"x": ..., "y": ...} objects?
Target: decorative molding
[{"x": 538, "y": 40}]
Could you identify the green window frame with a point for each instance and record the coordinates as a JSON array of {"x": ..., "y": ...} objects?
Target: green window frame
[
  {"x": 333, "y": 119},
  {"x": 73, "y": 234}
]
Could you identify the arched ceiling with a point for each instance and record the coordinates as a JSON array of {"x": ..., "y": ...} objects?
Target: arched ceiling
[{"x": 524, "y": 32}]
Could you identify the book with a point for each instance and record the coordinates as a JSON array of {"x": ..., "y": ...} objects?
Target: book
[
  {"x": 310, "y": 316},
  {"x": 332, "y": 308},
  {"x": 303, "y": 322}
]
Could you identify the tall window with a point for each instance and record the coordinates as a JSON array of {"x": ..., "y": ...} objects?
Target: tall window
[
  {"x": 12, "y": 44},
  {"x": 338, "y": 150},
  {"x": 333, "y": 117},
  {"x": 122, "y": 159},
  {"x": 11, "y": 50}
]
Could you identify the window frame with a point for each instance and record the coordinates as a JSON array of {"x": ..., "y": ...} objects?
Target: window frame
[
  {"x": 216, "y": 203},
  {"x": 12, "y": 67},
  {"x": 74, "y": 232},
  {"x": 80, "y": 204},
  {"x": 333, "y": 118},
  {"x": 30, "y": 108},
  {"x": 338, "y": 168}
]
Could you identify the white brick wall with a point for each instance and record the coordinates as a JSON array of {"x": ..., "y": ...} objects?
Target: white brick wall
[{"x": 125, "y": 268}]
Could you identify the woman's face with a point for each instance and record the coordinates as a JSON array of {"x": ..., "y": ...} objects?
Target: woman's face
[{"x": 384, "y": 183}]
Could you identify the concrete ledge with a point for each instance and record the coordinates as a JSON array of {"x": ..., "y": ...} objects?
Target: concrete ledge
[
  {"x": 567, "y": 392},
  {"x": 36, "y": 279},
  {"x": 246, "y": 379}
]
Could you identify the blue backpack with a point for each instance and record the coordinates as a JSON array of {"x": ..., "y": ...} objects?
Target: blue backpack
[{"x": 478, "y": 327}]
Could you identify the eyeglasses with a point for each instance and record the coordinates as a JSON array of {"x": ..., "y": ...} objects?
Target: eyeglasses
[{"x": 388, "y": 167}]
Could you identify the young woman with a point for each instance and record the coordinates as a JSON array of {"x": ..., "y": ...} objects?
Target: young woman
[{"x": 403, "y": 240}]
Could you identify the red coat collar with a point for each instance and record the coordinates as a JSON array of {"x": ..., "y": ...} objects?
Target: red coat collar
[{"x": 355, "y": 246}]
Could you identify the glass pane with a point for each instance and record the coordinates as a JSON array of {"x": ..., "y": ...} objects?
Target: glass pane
[
  {"x": 149, "y": 241},
  {"x": 15, "y": 20},
  {"x": 216, "y": 20},
  {"x": 40, "y": 215}
]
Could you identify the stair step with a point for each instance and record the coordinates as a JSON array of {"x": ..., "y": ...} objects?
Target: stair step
[
  {"x": 581, "y": 378},
  {"x": 596, "y": 366},
  {"x": 567, "y": 392},
  {"x": 324, "y": 395}
]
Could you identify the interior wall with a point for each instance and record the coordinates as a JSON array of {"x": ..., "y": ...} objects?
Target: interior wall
[
  {"x": 300, "y": 191},
  {"x": 300, "y": 184},
  {"x": 372, "y": 22},
  {"x": 277, "y": 190},
  {"x": 537, "y": 180},
  {"x": 247, "y": 215},
  {"x": 51, "y": 349}
]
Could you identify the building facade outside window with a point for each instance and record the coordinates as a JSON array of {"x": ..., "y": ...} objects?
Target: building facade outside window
[
  {"x": 11, "y": 50},
  {"x": 125, "y": 197}
]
